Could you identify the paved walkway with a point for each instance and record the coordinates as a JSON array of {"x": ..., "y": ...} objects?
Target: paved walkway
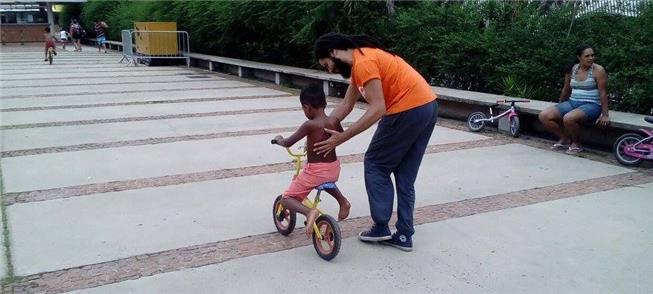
[{"x": 118, "y": 179}]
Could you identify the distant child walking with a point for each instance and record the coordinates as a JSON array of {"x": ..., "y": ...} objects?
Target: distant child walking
[
  {"x": 64, "y": 36},
  {"x": 319, "y": 169},
  {"x": 100, "y": 32}
]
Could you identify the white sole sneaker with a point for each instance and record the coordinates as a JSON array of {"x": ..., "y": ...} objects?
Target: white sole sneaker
[{"x": 373, "y": 239}]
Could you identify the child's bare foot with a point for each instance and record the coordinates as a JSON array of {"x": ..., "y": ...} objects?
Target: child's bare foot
[
  {"x": 344, "y": 211},
  {"x": 310, "y": 220}
]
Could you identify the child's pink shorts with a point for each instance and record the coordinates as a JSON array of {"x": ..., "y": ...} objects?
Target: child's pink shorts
[{"x": 313, "y": 175}]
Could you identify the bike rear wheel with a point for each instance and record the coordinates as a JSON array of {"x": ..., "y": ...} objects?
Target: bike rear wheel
[
  {"x": 329, "y": 246},
  {"x": 619, "y": 149},
  {"x": 284, "y": 219},
  {"x": 473, "y": 122},
  {"x": 514, "y": 126},
  {"x": 50, "y": 56}
]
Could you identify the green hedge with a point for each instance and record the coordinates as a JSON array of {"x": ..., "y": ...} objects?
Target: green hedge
[{"x": 506, "y": 47}]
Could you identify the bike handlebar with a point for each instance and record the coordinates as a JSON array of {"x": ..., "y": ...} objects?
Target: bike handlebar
[
  {"x": 274, "y": 141},
  {"x": 298, "y": 155}
]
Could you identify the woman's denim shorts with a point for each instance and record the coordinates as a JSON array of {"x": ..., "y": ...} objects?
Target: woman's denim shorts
[{"x": 591, "y": 109}]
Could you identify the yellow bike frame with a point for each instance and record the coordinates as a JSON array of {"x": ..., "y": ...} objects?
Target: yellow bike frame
[
  {"x": 308, "y": 203},
  {"x": 50, "y": 53}
]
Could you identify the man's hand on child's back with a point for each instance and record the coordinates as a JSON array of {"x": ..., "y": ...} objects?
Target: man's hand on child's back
[{"x": 326, "y": 146}]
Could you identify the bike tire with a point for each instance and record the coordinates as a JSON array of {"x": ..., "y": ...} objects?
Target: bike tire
[
  {"x": 621, "y": 143},
  {"x": 514, "y": 126},
  {"x": 50, "y": 57},
  {"x": 329, "y": 246},
  {"x": 476, "y": 126},
  {"x": 285, "y": 222}
]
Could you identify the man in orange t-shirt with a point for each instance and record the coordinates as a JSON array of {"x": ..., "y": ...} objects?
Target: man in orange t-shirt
[{"x": 403, "y": 101}]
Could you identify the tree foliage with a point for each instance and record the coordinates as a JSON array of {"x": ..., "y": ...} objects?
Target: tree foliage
[{"x": 509, "y": 47}]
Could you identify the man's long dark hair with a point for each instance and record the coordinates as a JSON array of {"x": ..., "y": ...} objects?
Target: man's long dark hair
[{"x": 330, "y": 41}]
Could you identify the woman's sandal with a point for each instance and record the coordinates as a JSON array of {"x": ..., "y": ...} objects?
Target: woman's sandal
[
  {"x": 559, "y": 146},
  {"x": 574, "y": 150}
]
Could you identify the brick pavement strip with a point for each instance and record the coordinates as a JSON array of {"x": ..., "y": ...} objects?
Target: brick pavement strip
[
  {"x": 148, "y": 141},
  {"x": 207, "y": 78},
  {"x": 143, "y": 118},
  {"x": 118, "y": 92},
  {"x": 217, "y": 252},
  {"x": 187, "y": 100},
  {"x": 67, "y": 192},
  {"x": 31, "y": 78}
]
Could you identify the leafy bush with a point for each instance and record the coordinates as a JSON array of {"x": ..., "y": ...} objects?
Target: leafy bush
[
  {"x": 516, "y": 48},
  {"x": 69, "y": 12}
]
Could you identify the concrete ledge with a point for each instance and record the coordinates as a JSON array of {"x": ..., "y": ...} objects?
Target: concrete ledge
[
  {"x": 114, "y": 45},
  {"x": 457, "y": 104},
  {"x": 333, "y": 85},
  {"x": 618, "y": 119}
]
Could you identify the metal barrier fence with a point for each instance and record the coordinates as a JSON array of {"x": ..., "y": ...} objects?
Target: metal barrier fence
[
  {"x": 146, "y": 46},
  {"x": 127, "y": 47}
]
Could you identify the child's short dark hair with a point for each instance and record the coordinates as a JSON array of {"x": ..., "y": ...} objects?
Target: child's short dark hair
[
  {"x": 313, "y": 96},
  {"x": 47, "y": 29}
]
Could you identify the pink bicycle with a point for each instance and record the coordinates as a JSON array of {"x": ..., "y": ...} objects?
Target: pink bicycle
[
  {"x": 632, "y": 148},
  {"x": 477, "y": 120}
]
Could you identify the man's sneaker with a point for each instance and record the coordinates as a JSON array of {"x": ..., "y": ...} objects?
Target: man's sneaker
[
  {"x": 400, "y": 241},
  {"x": 376, "y": 233}
]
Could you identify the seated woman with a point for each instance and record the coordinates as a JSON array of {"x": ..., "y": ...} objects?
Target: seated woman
[{"x": 583, "y": 98}]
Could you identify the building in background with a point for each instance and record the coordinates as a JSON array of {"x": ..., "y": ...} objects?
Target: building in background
[{"x": 23, "y": 21}]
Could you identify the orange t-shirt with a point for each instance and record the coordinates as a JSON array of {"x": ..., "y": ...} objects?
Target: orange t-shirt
[{"x": 403, "y": 87}]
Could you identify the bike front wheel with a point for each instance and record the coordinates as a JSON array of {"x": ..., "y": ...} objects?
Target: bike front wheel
[
  {"x": 50, "y": 56},
  {"x": 328, "y": 246},
  {"x": 619, "y": 149},
  {"x": 476, "y": 121},
  {"x": 284, "y": 219},
  {"x": 514, "y": 126}
]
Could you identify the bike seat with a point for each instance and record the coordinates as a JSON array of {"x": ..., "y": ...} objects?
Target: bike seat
[
  {"x": 649, "y": 119},
  {"x": 325, "y": 186}
]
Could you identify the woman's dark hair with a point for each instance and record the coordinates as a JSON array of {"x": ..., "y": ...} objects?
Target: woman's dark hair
[
  {"x": 47, "y": 29},
  {"x": 313, "y": 95},
  {"x": 330, "y": 41},
  {"x": 579, "y": 51}
]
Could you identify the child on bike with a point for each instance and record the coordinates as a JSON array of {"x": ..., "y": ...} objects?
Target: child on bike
[
  {"x": 318, "y": 169},
  {"x": 49, "y": 42}
]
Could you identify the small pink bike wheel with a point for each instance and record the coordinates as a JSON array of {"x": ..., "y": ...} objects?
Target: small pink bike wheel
[{"x": 619, "y": 149}]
